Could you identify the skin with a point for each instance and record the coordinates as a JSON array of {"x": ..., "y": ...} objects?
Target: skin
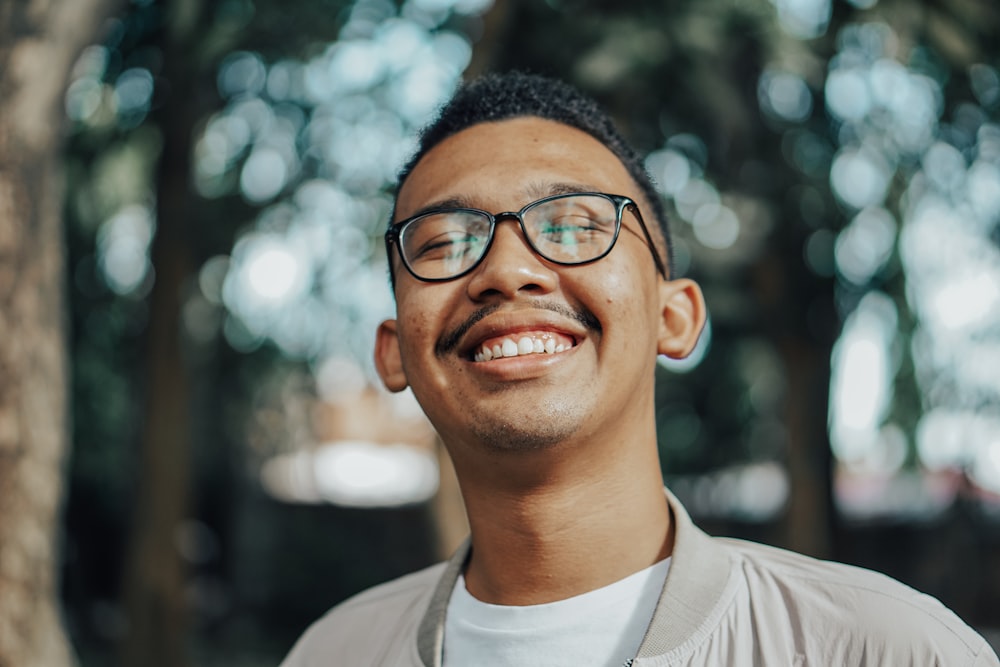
[{"x": 555, "y": 453}]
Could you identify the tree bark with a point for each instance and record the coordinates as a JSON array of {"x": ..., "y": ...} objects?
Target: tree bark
[{"x": 39, "y": 41}]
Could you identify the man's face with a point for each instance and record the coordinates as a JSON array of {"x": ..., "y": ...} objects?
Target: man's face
[{"x": 587, "y": 336}]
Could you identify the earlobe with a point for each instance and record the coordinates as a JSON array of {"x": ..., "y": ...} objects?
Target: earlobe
[
  {"x": 682, "y": 316},
  {"x": 388, "y": 361}
]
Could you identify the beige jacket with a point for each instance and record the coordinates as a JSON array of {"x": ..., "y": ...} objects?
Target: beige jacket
[{"x": 725, "y": 602}]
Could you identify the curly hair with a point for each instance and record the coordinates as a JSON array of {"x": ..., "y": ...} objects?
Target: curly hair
[{"x": 496, "y": 97}]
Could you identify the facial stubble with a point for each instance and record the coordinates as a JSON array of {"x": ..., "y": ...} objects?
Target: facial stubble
[{"x": 544, "y": 426}]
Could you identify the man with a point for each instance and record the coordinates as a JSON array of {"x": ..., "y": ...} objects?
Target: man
[{"x": 531, "y": 266}]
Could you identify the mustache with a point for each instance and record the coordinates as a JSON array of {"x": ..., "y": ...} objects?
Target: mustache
[{"x": 449, "y": 341}]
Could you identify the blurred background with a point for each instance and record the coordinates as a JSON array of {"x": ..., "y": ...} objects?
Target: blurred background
[{"x": 832, "y": 170}]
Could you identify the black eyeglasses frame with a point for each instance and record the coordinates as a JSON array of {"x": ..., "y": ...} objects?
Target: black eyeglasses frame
[{"x": 621, "y": 203}]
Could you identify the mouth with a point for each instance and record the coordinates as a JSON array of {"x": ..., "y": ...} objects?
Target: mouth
[
  {"x": 522, "y": 344},
  {"x": 493, "y": 332}
]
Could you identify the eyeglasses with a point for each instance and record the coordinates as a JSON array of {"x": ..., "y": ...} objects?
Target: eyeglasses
[{"x": 446, "y": 243}]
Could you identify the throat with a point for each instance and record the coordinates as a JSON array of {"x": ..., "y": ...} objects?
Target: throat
[{"x": 537, "y": 553}]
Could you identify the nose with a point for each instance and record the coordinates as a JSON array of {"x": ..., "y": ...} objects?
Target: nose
[{"x": 510, "y": 267}]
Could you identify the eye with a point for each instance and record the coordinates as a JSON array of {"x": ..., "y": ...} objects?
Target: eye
[
  {"x": 444, "y": 236},
  {"x": 445, "y": 245},
  {"x": 578, "y": 220},
  {"x": 571, "y": 225}
]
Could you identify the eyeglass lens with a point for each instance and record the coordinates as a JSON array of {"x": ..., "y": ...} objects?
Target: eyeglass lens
[{"x": 569, "y": 229}]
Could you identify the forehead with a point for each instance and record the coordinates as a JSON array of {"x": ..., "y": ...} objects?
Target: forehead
[{"x": 505, "y": 164}]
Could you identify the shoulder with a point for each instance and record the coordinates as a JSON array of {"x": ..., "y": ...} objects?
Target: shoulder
[
  {"x": 379, "y": 621},
  {"x": 862, "y": 612},
  {"x": 843, "y": 586},
  {"x": 396, "y": 596}
]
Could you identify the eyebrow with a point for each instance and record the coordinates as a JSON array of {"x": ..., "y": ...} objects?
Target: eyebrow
[
  {"x": 540, "y": 190},
  {"x": 537, "y": 190}
]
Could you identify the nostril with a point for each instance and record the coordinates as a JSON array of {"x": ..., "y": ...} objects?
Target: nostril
[{"x": 505, "y": 284}]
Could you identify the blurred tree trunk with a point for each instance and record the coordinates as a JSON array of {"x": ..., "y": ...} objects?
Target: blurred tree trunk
[
  {"x": 155, "y": 578},
  {"x": 39, "y": 41},
  {"x": 810, "y": 522}
]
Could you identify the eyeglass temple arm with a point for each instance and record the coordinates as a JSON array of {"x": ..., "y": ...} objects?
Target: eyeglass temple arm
[{"x": 649, "y": 239}]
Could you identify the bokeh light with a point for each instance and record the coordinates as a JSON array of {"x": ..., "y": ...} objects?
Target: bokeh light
[
  {"x": 891, "y": 131},
  {"x": 865, "y": 245},
  {"x": 861, "y": 383},
  {"x": 784, "y": 96},
  {"x": 353, "y": 474},
  {"x": 804, "y": 19},
  {"x": 123, "y": 248}
]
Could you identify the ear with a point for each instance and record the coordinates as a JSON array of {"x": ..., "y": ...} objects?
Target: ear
[
  {"x": 682, "y": 316},
  {"x": 388, "y": 361}
]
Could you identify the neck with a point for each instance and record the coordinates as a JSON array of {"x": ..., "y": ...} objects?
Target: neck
[{"x": 547, "y": 527}]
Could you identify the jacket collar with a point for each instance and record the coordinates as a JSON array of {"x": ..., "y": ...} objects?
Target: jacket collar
[
  {"x": 430, "y": 635},
  {"x": 700, "y": 571}
]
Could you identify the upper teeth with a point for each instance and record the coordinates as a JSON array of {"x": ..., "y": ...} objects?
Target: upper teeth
[{"x": 508, "y": 347}]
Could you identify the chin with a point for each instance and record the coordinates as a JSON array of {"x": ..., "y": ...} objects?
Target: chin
[{"x": 525, "y": 435}]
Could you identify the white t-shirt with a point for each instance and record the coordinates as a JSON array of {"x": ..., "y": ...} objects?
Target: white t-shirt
[{"x": 602, "y": 627}]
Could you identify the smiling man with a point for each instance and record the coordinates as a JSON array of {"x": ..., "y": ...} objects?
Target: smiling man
[{"x": 531, "y": 266}]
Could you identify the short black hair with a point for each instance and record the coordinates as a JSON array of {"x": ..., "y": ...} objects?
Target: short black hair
[{"x": 502, "y": 96}]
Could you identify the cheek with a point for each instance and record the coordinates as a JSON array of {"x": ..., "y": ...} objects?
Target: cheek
[
  {"x": 422, "y": 318},
  {"x": 629, "y": 308},
  {"x": 414, "y": 344},
  {"x": 621, "y": 292},
  {"x": 416, "y": 313}
]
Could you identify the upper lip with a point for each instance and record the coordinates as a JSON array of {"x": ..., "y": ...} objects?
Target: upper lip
[{"x": 513, "y": 323}]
